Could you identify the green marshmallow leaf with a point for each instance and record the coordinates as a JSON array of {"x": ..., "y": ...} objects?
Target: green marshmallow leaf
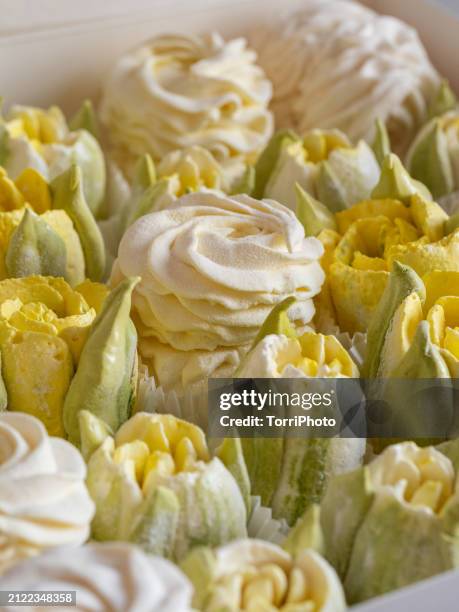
[
  {"x": 85, "y": 119},
  {"x": 68, "y": 195},
  {"x": 381, "y": 143},
  {"x": 268, "y": 159},
  {"x": 395, "y": 183},
  {"x": 313, "y": 215},
  {"x": 103, "y": 381},
  {"x": 403, "y": 281},
  {"x": 35, "y": 249}
]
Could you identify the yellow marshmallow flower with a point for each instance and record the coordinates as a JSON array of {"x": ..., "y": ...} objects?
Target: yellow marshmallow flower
[
  {"x": 376, "y": 519},
  {"x": 299, "y": 469},
  {"x": 48, "y": 229},
  {"x": 416, "y": 326},
  {"x": 156, "y": 484},
  {"x": 254, "y": 576},
  {"x": 43, "y": 326},
  {"x": 324, "y": 163},
  {"x": 65, "y": 349},
  {"x": 399, "y": 224},
  {"x": 41, "y": 139}
]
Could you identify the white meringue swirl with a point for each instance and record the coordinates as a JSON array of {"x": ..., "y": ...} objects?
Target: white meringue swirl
[
  {"x": 340, "y": 65},
  {"x": 212, "y": 268},
  {"x": 110, "y": 577},
  {"x": 180, "y": 91},
  {"x": 44, "y": 501}
]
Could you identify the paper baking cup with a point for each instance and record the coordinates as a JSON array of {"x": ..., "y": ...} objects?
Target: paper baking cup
[
  {"x": 263, "y": 526},
  {"x": 188, "y": 404},
  {"x": 356, "y": 345}
]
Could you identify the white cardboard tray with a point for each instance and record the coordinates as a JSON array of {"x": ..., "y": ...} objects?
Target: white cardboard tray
[{"x": 57, "y": 52}]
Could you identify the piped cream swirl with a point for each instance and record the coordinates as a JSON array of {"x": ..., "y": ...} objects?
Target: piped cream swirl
[
  {"x": 180, "y": 91},
  {"x": 340, "y": 65},
  {"x": 44, "y": 501},
  {"x": 212, "y": 268},
  {"x": 107, "y": 577}
]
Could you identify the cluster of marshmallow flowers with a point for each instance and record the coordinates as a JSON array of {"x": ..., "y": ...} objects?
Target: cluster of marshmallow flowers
[{"x": 186, "y": 239}]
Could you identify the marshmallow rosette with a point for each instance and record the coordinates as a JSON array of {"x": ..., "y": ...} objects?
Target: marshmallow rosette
[
  {"x": 340, "y": 65},
  {"x": 393, "y": 521},
  {"x": 105, "y": 577},
  {"x": 212, "y": 268},
  {"x": 179, "y": 91},
  {"x": 41, "y": 139},
  {"x": 257, "y": 575},
  {"x": 43, "y": 497}
]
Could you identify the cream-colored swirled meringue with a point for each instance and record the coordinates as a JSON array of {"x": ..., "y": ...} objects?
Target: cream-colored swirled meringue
[
  {"x": 44, "y": 502},
  {"x": 178, "y": 91},
  {"x": 112, "y": 577},
  {"x": 212, "y": 268},
  {"x": 339, "y": 65}
]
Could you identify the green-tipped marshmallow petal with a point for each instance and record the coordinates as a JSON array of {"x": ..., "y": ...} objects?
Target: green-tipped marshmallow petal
[
  {"x": 68, "y": 195},
  {"x": 307, "y": 533},
  {"x": 147, "y": 202},
  {"x": 423, "y": 358},
  {"x": 4, "y": 149},
  {"x": 263, "y": 457},
  {"x": 36, "y": 249},
  {"x": 231, "y": 455},
  {"x": 307, "y": 466},
  {"x": 444, "y": 101},
  {"x": 381, "y": 143},
  {"x": 247, "y": 182},
  {"x": 103, "y": 381},
  {"x": 144, "y": 174},
  {"x": 277, "y": 322},
  {"x": 93, "y": 432},
  {"x": 85, "y": 119},
  {"x": 396, "y": 546},
  {"x": 395, "y": 182},
  {"x": 343, "y": 508},
  {"x": 268, "y": 159},
  {"x": 330, "y": 189},
  {"x": 158, "y": 519},
  {"x": 429, "y": 161},
  {"x": 313, "y": 214},
  {"x": 199, "y": 565},
  {"x": 403, "y": 281}
]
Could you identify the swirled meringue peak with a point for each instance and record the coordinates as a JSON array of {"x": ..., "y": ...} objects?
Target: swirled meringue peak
[
  {"x": 44, "y": 502},
  {"x": 178, "y": 91},
  {"x": 212, "y": 268},
  {"x": 340, "y": 65},
  {"x": 107, "y": 578}
]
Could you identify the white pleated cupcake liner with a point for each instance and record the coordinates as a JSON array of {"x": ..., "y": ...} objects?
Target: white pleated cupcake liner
[
  {"x": 263, "y": 526},
  {"x": 187, "y": 404},
  {"x": 356, "y": 345}
]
